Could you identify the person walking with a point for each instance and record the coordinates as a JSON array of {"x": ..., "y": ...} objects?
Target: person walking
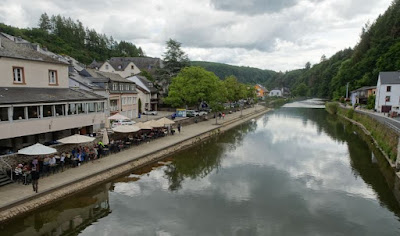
[
  {"x": 179, "y": 127},
  {"x": 223, "y": 115},
  {"x": 35, "y": 179}
]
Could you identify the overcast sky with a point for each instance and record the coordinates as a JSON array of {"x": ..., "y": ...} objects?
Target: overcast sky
[{"x": 268, "y": 34}]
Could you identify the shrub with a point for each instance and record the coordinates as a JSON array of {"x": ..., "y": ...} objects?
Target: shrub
[
  {"x": 332, "y": 107},
  {"x": 350, "y": 113}
]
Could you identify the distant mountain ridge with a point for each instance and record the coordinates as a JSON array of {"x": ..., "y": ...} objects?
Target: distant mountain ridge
[{"x": 248, "y": 75}]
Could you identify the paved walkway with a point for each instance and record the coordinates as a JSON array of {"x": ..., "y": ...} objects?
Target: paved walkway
[{"x": 12, "y": 193}]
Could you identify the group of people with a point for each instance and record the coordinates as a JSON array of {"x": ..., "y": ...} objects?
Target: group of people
[{"x": 30, "y": 172}]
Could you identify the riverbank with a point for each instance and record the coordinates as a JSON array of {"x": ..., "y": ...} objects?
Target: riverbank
[{"x": 18, "y": 199}]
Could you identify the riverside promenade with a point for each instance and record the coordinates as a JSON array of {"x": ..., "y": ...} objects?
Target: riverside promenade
[{"x": 16, "y": 199}]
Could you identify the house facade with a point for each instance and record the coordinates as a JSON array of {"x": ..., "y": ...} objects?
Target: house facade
[
  {"x": 362, "y": 94},
  {"x": 388, "y": 92},
  {"x": 275, "y": 93},
  {"x": 261, "y": 91},
  {"x": 36, "y": 103},
  {"x": 148, "y": 93}
]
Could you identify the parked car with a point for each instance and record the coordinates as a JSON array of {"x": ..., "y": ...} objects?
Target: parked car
[
  {"x": 150, "y": 113},
  {"x": 122, "y": 122},
  {"x": 191, "y": 113},
  {"x": 202, "y": 113}
]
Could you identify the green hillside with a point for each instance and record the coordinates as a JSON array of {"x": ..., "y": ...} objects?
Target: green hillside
[
  {"x": 244, "y": 74},
  {"x": 64, "y": 36}
]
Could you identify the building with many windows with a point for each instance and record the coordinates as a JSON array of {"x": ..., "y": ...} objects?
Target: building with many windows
[
  {"x": 388, "y": 92},
  {"x": 36, "y": 103}
]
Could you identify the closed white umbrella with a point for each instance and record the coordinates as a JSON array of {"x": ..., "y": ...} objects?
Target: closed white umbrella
[
  {"x": 165, "y": 121},
  {"x": 143, "y": 125},
  {"x": 126, "y": 129},
  {"x": 118, "y": 117},
  {"x": 37, "y": 149},
  {"x": 105, "y": 140},
  {"x": 76, "y": 138},
  {"x": 154, "y": 124}
]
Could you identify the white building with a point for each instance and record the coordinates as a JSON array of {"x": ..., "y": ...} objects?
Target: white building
[
  {"x": 147, "y": 93},
  {"x": 275, "y": 93},
  {"x": 36, "y": 103},
  {"x": 388, "y": 92}
]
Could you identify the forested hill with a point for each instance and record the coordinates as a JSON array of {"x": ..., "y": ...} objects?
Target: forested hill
[
  {"x": 378, "y": 50},
  {"x": 244, "y": 74},
  {"x": 64, "y": 36}
]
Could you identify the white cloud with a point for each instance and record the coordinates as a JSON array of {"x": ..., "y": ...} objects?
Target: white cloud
[{"x": 273, "y": 34}]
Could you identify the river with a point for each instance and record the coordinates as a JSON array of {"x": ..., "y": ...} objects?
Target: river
[{"x": 294, "y": 171}]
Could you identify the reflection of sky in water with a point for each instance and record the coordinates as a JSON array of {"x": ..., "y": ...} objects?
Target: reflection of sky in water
[{"x": 285, "y": 178}]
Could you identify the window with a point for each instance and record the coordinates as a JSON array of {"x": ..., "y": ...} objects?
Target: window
[
  {"x": 3, "y": 113},
  {"x": 72, "y": 109},
  {"x": 132, "y": 67},
  {"x": 60, "y": 110},
  {"x": 53, "y": 80},
  {"x": 18, "y": 113},
  {"x": 115, "y": 86},
  {"x": 121, "y": 87},
  {"x": 100, "y": 107},
  {"x": 33, "y": 112},
  {"x": 127, "y": 87},
  {"x": 387, "y": 99},
  {"x": 388, "y": 88},
  {"x": 134, "y": 100},
  {"x": 18, "y": 74},
  {"x": 120, "y": 67},
  {"x": 132, "y": 87},
  {"x": 47, "y": 111},
  {"x": 106, "y": 67},
  {"x": 92, "y": 107}
]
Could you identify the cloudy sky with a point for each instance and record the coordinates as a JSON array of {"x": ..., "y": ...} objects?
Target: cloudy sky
[{"x": 268, "y": 34}]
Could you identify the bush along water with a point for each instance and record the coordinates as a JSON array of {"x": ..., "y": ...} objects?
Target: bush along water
[
  {"x": 386, "y": 138},
  {"x": 332, "y": 107}
]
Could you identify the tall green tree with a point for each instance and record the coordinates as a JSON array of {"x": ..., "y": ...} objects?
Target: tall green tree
[
  {"x": 175, "y": 59},
  {"x": 44, "y": 22},
  {"x": 194, "y": 85}
]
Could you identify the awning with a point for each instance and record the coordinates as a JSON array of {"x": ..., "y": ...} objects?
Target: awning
[
  {"x": 75, "y": 139},
  {"x": 37, "y": 149}
]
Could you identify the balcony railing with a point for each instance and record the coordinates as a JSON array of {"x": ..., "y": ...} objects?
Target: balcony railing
[{"x": 113, "y": 108}]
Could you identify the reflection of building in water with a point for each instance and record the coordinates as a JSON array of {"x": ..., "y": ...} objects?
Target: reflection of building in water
[{"x": 67, "y": 217}]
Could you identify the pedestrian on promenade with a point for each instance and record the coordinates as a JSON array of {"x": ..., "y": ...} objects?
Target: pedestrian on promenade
[
  {"x": 179, "y": 127},
  {"x": 219, "y": 115},
  {"x": 223, "y": 115},
  {"x": 35, "y": 179}
]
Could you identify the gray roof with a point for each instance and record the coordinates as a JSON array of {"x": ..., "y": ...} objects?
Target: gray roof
[
  {"x": 364, "y": 88},
  {"x": 45, "y": 95},
  {"x": 144, "y": 63},
  {"x": 14, "y": 47},
  {"x": 113, "y": 77},
  {"x": 147, "y": 83},
  {"x": 86, "y": 81},
  {"x": 95, "y": 65},
  {"x": 390, "y": 77}
]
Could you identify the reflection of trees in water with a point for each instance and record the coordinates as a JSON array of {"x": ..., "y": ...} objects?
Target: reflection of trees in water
[
  {"x": 200, "y": 160},
  {"x": 360, "y": 148},
  {"x": 69, "y": 216}
]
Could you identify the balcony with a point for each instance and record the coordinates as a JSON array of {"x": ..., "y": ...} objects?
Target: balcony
[{"x": 114, "y": 108}]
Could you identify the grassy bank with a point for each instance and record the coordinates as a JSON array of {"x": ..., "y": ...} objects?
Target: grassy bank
[
  {"x": 276, "y": 102},
  {"x": 386, "y": 138}
]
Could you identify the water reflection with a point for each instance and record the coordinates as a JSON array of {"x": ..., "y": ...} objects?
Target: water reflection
[
  {"x": 67, "y": 217},
  {"x": 291, "y": 172}
]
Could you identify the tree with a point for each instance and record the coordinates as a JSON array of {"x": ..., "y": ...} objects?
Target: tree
[
  {"x": 323, "y": 58},
  {"x": 44, "y": 22},
  {"x": 146, "y": 74},
  {"x": 194, "y": 85},
  {"x": 308, "y": 65},
  {"x": 174, "y": 60},
  {"x": 301, "y": 90}
]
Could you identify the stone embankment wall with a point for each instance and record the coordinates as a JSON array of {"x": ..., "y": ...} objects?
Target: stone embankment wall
[{"x": 60, "y": 192}]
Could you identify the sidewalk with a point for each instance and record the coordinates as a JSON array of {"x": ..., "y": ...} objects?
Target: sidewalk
[{"x": 13, "y": 193}]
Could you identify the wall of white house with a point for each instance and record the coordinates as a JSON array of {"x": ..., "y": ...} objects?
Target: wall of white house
[
  {"x": 36, "y": 74},
  {"x": 382, "y": 93},
  {"x": 275, "y": 93}
]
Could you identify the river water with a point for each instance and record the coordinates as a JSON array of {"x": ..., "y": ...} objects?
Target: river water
[{"x": 294, "y": 171}]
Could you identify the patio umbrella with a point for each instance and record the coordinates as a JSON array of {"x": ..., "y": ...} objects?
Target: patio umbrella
[
  {"x": 154, "y": 124},
  {"x": 118, "y": 117},
  {"x": 126, "y": 129},
  {"x": 165, "y": 121},
  {"x": 143, "y": 126},
  {"x": 76, "y": 138},
  {"x": 105, "y": 140},
  {"x": 37, "y": 149}
]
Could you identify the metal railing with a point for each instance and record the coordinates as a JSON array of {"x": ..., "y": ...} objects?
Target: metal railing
[
  {"x": 395, "y": 128},
  {"x": 9, "y": 166}
]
